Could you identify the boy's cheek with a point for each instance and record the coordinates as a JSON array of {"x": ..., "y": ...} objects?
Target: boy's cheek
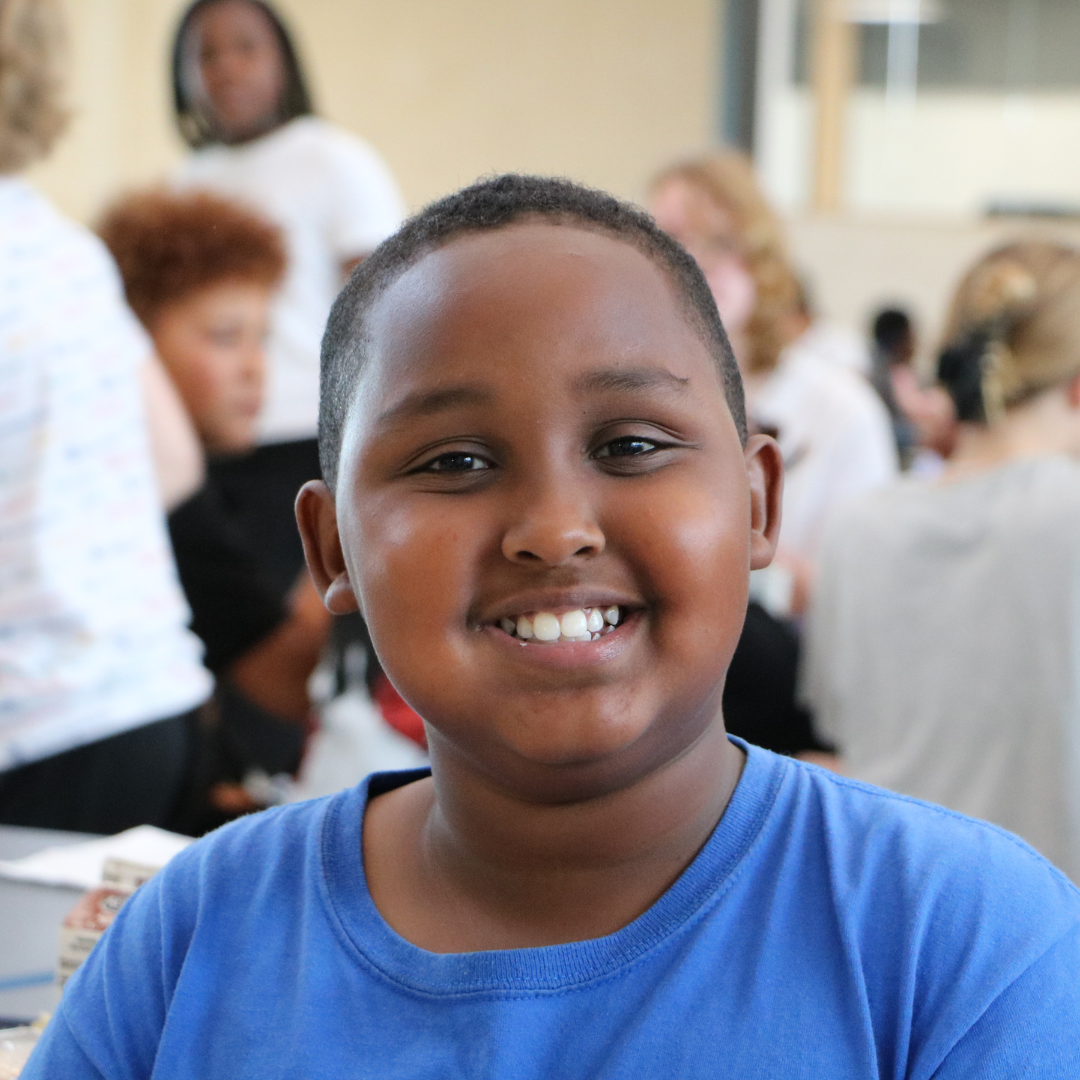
[
  {"x": 695, "y": 542},
  {"x": 413, "y": 569}
]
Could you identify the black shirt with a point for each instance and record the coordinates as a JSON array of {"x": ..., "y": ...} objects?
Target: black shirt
[
  {"x": 234, "y": 601},
  {"x": 759, "y": 696}
]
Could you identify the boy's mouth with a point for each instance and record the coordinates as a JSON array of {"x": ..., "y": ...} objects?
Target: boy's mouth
[{"x": 581, "y": 624}]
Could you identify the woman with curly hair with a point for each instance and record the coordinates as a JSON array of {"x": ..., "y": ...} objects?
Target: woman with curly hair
[
  {"x": 942, "y": 653},
  {"x": 100, "y": 676}
]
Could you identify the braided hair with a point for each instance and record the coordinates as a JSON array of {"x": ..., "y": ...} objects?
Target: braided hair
[{"x": 1014, "y": 329}]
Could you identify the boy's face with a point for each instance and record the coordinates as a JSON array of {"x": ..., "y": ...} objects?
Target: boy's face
[
  {"x": 211, "y": 342},
  {"x": 540, "y": 432}
]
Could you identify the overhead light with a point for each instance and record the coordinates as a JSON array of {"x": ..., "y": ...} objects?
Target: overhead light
[{"x": 891, "y": 12}]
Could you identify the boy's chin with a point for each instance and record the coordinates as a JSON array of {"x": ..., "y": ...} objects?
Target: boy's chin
[{"x": 556, "y": 759}]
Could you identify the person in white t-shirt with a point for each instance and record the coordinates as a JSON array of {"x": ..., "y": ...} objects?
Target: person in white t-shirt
[
  {"x": 99, "y": 675},
  {"x": 242, "y": 104},
  {"x": 834, "y": 432}
]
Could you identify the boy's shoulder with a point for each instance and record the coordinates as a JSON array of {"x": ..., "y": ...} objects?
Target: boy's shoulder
[
  {"x": 895, "y": 861},
  {"x": 861, "y": 817},
  {"x": 290, "y": 849},
  {"x": 275, "y": 841},
  {"x": 940, "y": 918}
]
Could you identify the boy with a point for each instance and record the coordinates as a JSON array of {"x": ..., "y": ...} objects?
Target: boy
[
  {"x": 539, "y": 493},
  {"x": 201, "y": 272}
]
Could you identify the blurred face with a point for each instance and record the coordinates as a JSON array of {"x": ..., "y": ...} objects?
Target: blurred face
[
  {"x": 241, "y": 70},
  {"x": 211, "y": 341},
  {"x": 709, "y": 232},
  {"x": 544, "y": 510}
]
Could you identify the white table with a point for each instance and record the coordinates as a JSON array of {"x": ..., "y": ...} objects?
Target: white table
[{"x": 30, "y": 918}]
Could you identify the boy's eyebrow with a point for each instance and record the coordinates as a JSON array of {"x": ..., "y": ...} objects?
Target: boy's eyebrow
[
  {"x": 427, "y": 402},
  {"x": 620, "y": 378}
]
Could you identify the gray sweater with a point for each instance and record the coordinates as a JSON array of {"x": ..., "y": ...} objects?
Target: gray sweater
[{"x": 943, "y": 647}]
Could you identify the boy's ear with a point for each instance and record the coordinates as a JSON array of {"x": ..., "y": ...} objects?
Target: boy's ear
[
  {"x": 316, "y": 515},
  {"x": 765, "y": 471}
]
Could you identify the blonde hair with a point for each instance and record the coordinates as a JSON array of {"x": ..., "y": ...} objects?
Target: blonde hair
[
  {"x": 728, "y": 179},
  {"x": 1014, "y": 327},
  {"x": 31, "y": 54}
]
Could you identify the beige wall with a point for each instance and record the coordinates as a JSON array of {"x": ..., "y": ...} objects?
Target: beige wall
[
  {"x": 859, "y": 264},
  {"x": 945, "y": 154},
  {"x": 601, "y": 90}
]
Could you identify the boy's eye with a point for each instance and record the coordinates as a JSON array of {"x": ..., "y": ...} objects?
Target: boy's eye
[
  {"x": 627, "y": 446},
  {"x": 456, "y": 462}
]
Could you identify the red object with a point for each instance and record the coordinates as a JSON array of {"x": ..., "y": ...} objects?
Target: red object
[{"x": 397, "y": 713}]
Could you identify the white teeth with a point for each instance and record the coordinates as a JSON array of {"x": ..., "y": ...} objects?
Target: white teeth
[
  {"x": 582, "y": 624},
  {"x": 546, "y": 627}
]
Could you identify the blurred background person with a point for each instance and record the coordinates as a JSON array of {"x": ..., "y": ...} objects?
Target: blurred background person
[
  {"x": 833, "y": 430},
  {"x": 923, "y": 417},
  {"x": 100, "y": 678},
  {"x": 833, "y": 342},
  {"x": 243, "y": 106},
  {"x": 892, "y": 361},
  {"x": 941, "y": 646},
  {"x": 200, "y": 272}
]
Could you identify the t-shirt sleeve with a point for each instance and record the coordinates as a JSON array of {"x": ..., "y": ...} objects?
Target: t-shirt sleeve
[
  {"x": 365, "y": 206},
  {"x": 113, "y": 1010},
  {"x": 1032, "y": 1029},
  {"x": 234, "y": 604},
  {"x": 60, "y": 1054}
]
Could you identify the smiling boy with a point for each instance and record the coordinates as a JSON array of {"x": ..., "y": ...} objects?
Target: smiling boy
[{"x": 540, "y": 495}]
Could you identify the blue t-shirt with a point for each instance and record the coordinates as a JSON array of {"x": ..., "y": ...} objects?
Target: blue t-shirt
[{"x": 827, "y": 929}]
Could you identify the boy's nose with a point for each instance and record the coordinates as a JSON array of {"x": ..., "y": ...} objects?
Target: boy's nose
[{"x": 553, "y": 530}]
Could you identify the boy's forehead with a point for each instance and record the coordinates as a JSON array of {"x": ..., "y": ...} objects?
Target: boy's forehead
[{"x": 529, "y": 291}]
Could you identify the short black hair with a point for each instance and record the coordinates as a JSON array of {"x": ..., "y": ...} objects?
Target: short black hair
[
  {"x": 195, "y": 127},
  {"x": 488, "y": 205},
  {"x": 891, "y": 329}
]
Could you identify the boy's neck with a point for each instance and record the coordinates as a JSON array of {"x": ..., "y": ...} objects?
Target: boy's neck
[{"x": 462, "y": 866}]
